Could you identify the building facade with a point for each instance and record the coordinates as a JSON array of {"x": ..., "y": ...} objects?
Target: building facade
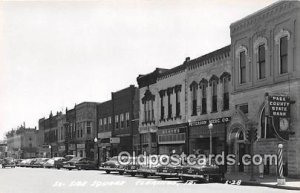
[
  {"x": 264, "y": 49},
  {"x": 149, "y": 119},
  {"x": 22, "y": 143}
]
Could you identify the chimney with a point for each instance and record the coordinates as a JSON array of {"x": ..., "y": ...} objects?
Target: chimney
[{"x": 187, "y": 59}]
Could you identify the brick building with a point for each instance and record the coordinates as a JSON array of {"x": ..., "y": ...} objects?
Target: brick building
[
  {"x": 149, "y": 114},
  {"x": 264, "y": 49},
  {"x": 118, "y": 123}
]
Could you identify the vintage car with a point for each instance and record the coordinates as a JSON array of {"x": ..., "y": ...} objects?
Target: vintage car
[
  {"x": 18, "y": 162},
  {"x": 8, "y": 162},
  {"x": 112, "y": 165},
  {"x": 60, "y": 161},
  {"x": 39, "y": 163},
  {"x": 132, "y": 166},
  {"x": 148, "y": 169},
  {"x": 24, "y": 162},
  {"x": 31, "y": 162},
  {"x": 80, "y": 163},
  {"x": 168, "y": 171},
  {"x": 203, "y": 172}
]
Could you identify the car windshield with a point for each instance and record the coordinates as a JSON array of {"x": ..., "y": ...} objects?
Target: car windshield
[
  {"x": 74, "y": 159},
  {"x": 58, "y": 158}
]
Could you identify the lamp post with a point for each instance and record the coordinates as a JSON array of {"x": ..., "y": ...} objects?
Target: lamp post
[
  {"x": 210, "y": 127},
  {"x": 96, "y": 146},
  {"x": 50, "y": 147}
]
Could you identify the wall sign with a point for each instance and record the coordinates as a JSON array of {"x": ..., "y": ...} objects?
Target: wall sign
[
  {"x": 279, "y": 106},
  {"x": 213, "y": 121}
]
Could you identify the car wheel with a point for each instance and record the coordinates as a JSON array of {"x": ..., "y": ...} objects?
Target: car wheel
[
  {"x": 79, "y": 168},
  {"x": 207, "y": 179},
  {"x": 132, "y": 174},
  {"x": 184, "y": 179},
  {"x": 163, "y": 177},
  {"x": 69, "y": 169},
  {"x": 145, "y": 175},
  {"x": 107, "y": 171},
  {"x": 121, "y": 173}
]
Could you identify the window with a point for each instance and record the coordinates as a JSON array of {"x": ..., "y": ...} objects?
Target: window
[
  {"x": 214, "y": 96},
  {"x": 225, "y": 93},
  {"x": 127, "y": 120},
  {"x": 81, "y": 132},
  {"x": 243, "y": 108},
  {"x": 162, "y": 108},
  {"x": 169, "y": 106},
  {"x": 153, "y": 137},
  {"x": 267, "y": 129},
  {"x": 194, "y": 98},
  {"x": 242, "y": 67},
  {"x": 89, "y": 127},
  {"x": 109, "y": 120},
  {"x": 104, "y": 121},
  {"x": 100, "y": 122},
  {"x": 177, "y": 103},
  {"x": 284, "y": 55},
  {"x": 122, "y": 120},
  {"x": 145, "y": 112},
  {"x": 261, "y": 62},
  {"x": 117, "y": 122},
  {"x": 204, "y": 94}
]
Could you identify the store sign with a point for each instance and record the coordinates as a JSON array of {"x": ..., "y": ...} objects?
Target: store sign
[
  {"x": 171, "y": 131},
  {"x": 104, "y": 135},
  {"x": 115, "y": 140},
  {"x": 213, "y": 121},
  {"x": 71, "y": 146},
  {"x": 147, "y": 129},
  {"x": 279, "y": 106},
  {"x": 81, "y": 146}
]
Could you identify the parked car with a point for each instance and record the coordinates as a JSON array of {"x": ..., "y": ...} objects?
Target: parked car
[
  {"x": 18, "y": 162},
  {"x": 80, "y": 163},
  {"x": 168, "y": 171},
  {"x": 132, "y": 167},
  {"x": 50, "y": 162},
  {"x": 31, "y": 163},
  {"x": 39, "y": 163},
  {"x": 112, "y": 165},
  {"x": 148, "y": 169},
  {"x": 204, "y": 172},
  {"x": 24, "y": 162},
  {"x": 8, "y": 162},
  {"x": 60, "y": 161}
]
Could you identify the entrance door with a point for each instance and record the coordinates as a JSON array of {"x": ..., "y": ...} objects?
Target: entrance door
[{"x": 241, "y": 152}]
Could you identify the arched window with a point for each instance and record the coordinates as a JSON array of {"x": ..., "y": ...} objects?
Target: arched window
[
  {"x": 225, "y": 78},
  {"x": 241, "y": 54},
  {"x": 194, "y": 88},
  {"x": 260, "y": 47},
  {"x": 214, "y": 88},
  {"x": 281, "y": 39},
  {"x": 203, "y": 86}
]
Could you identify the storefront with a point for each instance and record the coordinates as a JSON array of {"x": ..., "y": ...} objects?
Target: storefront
[
  {"x": 148, "y": 139},
  {"x": 199, "y": 136},
  {"x": 72, "y": 149},
  {"x": 81, "y": 150},
  {"x": 61, "y": 150},
  {"x": 172, "y": 138}
]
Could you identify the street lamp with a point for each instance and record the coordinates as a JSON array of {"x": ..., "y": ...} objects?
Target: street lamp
[
  {"x": 96, "y": 146},
  {"x": 210, "y": 127},
  {"x": 50, "y": 147}
]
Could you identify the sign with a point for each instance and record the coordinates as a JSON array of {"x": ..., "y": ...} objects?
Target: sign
[
  {"x": 71, "y": 146},
  {"x": 115, "y": 140},
  {"x": 213, "y": 121},
  {"x": 279, "y": 106},
  {"x": 171, "y": 131},
  {"x": 104, "y": 135},
  {"x": 81, "y": 146},
  {"x": 150, "y": 129}
]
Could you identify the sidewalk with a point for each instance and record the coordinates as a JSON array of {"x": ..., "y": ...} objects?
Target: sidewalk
[{"x": 267, "y": 181}]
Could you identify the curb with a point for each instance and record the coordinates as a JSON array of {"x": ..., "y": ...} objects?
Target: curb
[{"x": 247, "y": 183}]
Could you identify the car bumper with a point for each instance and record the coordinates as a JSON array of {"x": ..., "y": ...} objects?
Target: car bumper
[
  {"x": 108, "y": 169},
  {"x": 69, "y": 167},
  {"x": 166, "y": 174},
  {"x": 131, "y": 171}
]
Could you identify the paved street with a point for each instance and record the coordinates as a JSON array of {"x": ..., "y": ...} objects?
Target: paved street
[{"x": 39, "y": 180}]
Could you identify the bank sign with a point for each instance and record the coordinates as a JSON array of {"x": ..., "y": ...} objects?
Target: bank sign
[{"x": 279, "y": 106}]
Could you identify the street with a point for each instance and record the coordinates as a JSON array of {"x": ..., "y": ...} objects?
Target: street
[{"x": 40, "y": 180}]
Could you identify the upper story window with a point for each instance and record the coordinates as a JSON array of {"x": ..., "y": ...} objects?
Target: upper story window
[
  {"x": 109, "y": 120},
  {"x": 169, "y": 92},
  {"x": 203, "y": 87},
  {"x": 148, "y": 101},
  {"x": 177, "y": 95},
  {"x": 214, "y": 90},
  {"x": 122, "y": 120},
  {"x": 100, "y": 122},
  {"x": 225, "y": 77},
  {"x": 242, "y": 61},
  {"x": 117, "y": 121},
  {"x": 89, "y": 126},
  {"x": 162, "y": 108},
  {"x": 281, "y": 39},
  {"x": 283, "y": 55},
  {"x": 127, "y": 119},
  {"x": 261, "y": 61},
  {"x": 194, "y": 89}
]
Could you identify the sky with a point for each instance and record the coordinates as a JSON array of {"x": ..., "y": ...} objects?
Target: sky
[{"x": 55, "y": 54}]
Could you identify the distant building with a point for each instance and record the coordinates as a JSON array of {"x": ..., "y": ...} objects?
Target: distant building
[
  {"x": 3, "y": 149},
  {"x": 22, "y": 143}
]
